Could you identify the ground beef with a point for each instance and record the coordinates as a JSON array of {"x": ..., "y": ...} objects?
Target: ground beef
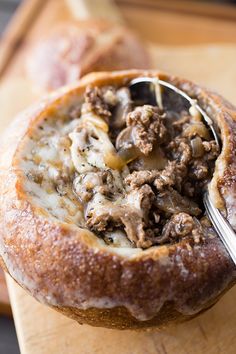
[
  {"x": 211, "y": 150},
  {"x": 148, "y": 127},
  {"x": 161, "y": 203},
  {"x": 139, "y": 178},
  {"x": 147, "y": 197},
  {"x": 172, "y": 174},
  {"x": 179, "y": 150},
  {"x": 199, "y": 170},
  {"x": 179, "y": 225},
  {"x": 100, "y": 101}
]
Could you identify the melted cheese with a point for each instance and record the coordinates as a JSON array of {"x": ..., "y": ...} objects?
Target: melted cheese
[
  {"x": 58, "y": 149},
  {"x": 91, "y": 147},
  {"x": 47, "y": 160}
]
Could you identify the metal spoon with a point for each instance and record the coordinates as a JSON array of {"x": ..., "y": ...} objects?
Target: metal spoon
[
  {"x": 222, "y": 226},
  {"x": 143, "y": 91}
]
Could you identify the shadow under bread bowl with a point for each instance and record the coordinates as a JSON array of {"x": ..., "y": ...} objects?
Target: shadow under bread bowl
[
  {"x": 74, "y": 49},
  {"x": 114, "y": 239}
]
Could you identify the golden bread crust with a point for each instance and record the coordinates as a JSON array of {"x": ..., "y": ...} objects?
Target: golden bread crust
[{"x": 63, "y": 266}]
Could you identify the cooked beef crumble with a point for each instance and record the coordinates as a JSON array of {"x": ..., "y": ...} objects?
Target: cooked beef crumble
[
  {"x": 147, "y": 127},
  {"x": 137, "y": 173},
  {"x": 100, "y": 101}
]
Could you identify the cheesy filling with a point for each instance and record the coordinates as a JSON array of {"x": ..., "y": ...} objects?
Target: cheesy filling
[{"x": 116, "y": 178}]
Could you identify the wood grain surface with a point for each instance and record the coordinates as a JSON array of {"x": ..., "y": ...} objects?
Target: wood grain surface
[
  {"x": 42, "y": 331},
  {"x": 176, "y": 37}
]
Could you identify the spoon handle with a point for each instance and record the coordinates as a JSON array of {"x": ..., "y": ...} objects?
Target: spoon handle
[{"x": 221, "y": 225}]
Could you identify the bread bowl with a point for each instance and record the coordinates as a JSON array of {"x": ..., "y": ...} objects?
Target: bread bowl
[
  {"x": 96, "y": 267},
  {"x": 74, "y": 49}
]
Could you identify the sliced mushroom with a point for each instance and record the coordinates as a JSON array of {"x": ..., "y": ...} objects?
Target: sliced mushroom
[
  {"x": 156, "y": 160},
  {"x": 172, "y": 202},
  {"x": 124, "y": 140},
  {"x": 197, "y": 147},
  {"x": 125, "y": 146},
  {"x": 123, "y": 107}
]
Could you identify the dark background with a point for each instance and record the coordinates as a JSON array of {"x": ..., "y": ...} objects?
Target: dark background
[{"x": 8, "y": 340}]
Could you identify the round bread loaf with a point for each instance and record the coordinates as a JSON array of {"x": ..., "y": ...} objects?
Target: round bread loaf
[
  {"x": 116, "y": 268},
  {"x": 77, "y": 48}
]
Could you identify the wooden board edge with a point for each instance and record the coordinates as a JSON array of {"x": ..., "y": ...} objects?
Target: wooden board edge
[
  {"x": 10, "y": 285},
  {"x": 211, "y": 10},
  {"x": 16, "y": 30}
]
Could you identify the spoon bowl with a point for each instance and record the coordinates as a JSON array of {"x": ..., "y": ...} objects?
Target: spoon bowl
[{"x": 146, "y": 90}]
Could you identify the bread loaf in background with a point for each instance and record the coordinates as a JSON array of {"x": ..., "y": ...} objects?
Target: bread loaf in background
[{"x": 76, "y": 48}]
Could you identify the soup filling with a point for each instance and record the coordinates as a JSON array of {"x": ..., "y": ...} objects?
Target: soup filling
[{"x": 132, "y": 174}]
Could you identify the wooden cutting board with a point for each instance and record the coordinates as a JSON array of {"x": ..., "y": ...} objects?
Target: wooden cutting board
[
  {"x": 41, "y": 330},
  {"x": 44, "y": 331}
]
